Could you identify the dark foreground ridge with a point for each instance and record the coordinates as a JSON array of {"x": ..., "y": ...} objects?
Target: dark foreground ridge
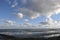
[{"x": 8, "y": 37}]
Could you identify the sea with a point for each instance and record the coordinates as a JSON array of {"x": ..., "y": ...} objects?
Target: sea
[{"x": 31, "y": 33}]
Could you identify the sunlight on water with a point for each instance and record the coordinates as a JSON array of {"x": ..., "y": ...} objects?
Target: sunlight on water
[{"x": 53, "y": 35}]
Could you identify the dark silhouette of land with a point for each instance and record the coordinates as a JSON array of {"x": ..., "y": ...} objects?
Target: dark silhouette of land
[{"x": 8, "y": 37}]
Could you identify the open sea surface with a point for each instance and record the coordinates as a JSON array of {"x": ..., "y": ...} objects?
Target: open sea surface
[{"x": 31, "y": 33}]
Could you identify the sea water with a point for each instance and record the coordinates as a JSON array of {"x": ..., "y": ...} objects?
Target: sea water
[{"x": 31, "y": 33}]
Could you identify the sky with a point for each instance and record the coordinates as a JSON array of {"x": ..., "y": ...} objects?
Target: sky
[{"x": 29, "y": 14}]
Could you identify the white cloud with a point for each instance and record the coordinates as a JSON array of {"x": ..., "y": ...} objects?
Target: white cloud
[
  {"x": 35, "y": 8},
  {"x": 20, "y": 15},
  {"x": 10, "y": 22},
  {"x": 31, "y": 14},
  {"x": 26, "y": 20},
  {"x": 45, "y": 7},
  {"x": 14, "y": 4}
]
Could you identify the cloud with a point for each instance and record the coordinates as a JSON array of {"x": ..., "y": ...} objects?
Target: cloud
[
  {"x": 35, "y": 8},
  {"x": 29, "y": 13},
  {"x": 26, "y": 20},
  {"x": 19, "y": 15},
  {"x": 43, "y": 6},
  {"x": 10, "y": 22},
  {"x": 14, "y": 4}
]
